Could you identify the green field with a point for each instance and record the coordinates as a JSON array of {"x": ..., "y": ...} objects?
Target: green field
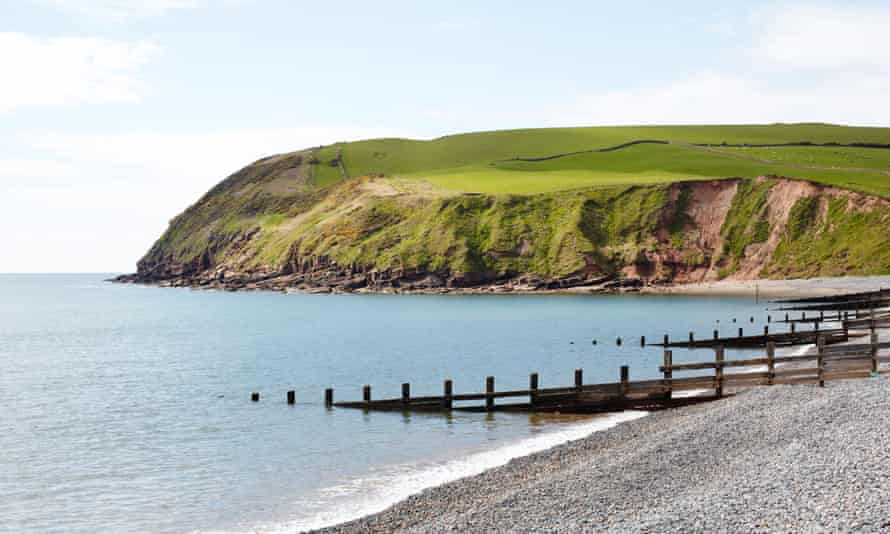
[{"x": 477, "y": 162}]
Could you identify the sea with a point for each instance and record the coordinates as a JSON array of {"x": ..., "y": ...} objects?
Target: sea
[{"x": 127, "y": 408}]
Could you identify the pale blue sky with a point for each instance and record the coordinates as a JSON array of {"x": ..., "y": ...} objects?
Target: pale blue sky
[{"x": 115, "y": 115}]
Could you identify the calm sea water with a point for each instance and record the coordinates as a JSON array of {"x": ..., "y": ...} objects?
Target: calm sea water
[{"x": 126, "y": 408}]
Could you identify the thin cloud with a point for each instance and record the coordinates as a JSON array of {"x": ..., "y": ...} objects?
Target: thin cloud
[
  {"x": 70, "y": 71},
  {"x": 823, "y": 37},
  {"x": 711, "y": 98},
  {"x": 807, "y": 63},
  {"x": 119, "y": 10}
]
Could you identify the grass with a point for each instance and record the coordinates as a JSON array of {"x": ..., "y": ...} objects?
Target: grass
[
  {"x": 746, "y": 221},
  {"x": 845, "y": 242},
  {"x": 475, "y": 162},
  {"x": 849, "y": 157},
  {"x": 635, "y": 165}
]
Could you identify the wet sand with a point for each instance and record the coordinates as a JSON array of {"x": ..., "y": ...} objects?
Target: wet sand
[{"x": 770, "y": 289}]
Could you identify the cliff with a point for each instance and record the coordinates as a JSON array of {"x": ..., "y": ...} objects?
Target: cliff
[{"x": 269, "y": 226}]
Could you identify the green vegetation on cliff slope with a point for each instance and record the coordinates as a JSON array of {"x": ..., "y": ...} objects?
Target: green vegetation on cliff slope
[{"x": 826, "y": 237}]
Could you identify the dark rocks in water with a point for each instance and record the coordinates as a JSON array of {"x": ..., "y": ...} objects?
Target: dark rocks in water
[{"x": 323, "y": 276}]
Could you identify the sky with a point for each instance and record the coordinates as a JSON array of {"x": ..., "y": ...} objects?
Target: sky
[{"x": 116, "y": 115}]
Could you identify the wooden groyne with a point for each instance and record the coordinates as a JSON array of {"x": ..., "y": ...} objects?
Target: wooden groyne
[
  {"x": 782, "y": 339},
  {"x": 825, "y": 364},
  {"x": 862, "y": 295},
  {"x": 850, "y": 305},
  {"x": 577, "y": 398}
]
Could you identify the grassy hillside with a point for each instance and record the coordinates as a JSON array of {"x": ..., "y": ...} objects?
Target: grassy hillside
[
  {"x": 475, "y": 162},
  {"x": 552, "y": 202}
]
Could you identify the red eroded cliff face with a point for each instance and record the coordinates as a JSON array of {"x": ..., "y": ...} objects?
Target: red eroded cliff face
[{"x": 766, "y": 228}]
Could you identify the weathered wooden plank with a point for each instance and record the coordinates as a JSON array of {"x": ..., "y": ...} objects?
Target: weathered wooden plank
[
  {"x": 735, "y": 378},
  {"x": 847, "y": 375},
  {"x": 771, "y": 362},
  {"x": 855, "y": 348},
  {"x": 448, "y": 395},
  {"x": 789, "y": 373},
  {"x": 648, "y": 388},
  {"x": 667, "y": 375},
  {"x": 797, "y": 381}
]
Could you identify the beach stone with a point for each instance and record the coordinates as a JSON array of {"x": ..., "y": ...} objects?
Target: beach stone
[{"x": 771, "y": 459}]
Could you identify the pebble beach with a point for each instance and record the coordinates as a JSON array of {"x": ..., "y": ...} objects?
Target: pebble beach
[{"x": 770, "y": 459}]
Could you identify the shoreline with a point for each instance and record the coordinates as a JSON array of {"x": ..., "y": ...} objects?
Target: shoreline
[
  {"x": 389, "y": 492},
  {"x": 749, "y": 462},
  {"x": 758, "y": 288}
]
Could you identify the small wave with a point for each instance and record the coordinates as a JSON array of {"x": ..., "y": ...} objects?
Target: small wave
[{"x": 371, "y": 494}]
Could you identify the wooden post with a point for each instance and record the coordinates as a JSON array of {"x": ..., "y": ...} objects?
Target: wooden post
[
  {"x": 874, "y": 351},
  {"x": 329, "y": 397},
  {"x": 691, "y": 337},
  {"x": 447, "y": 392},
  {"x": 821, "y": 315},
  {"x": 792, "y": 328},
  {"x": 533, "y": 388},
  {"x": 618, "y": 341},
  {"x": 766, "y": 331},
  {"x": 741, "y": 332},
  {"x": 579, "y": 379},
  {"x": 667, "y": 340},
  {"x": 489, "y": 393},
  {"x": 625, "y": 374},
  {"x": 716, "y": 335},
  {"x": 771, "y": 362},
  {"x": 366, "y": 394},
  {"x": 820, "y": 347},
  {"x": 255, "y": 397},
  {"x": 668, "y": 374},
  {"x": 718, "y": 371},
  {"x": 769, "y": 318},
  {"x": 752, "y": 319},
  {"x": 291, "y": 397},
  {"x": 786, "y": 317},
  {"x": 803, "y": 315},
  {"x": 642, "y": 341},
  {"x": 816, "y": 327},
  {"x": 406, "y": 394}
]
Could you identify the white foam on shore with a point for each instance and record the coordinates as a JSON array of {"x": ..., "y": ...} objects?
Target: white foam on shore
[{"x": 372, "y": 494}]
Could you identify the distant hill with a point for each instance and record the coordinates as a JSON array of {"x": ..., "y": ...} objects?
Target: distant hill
[{"x": 542, "y": 208}]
